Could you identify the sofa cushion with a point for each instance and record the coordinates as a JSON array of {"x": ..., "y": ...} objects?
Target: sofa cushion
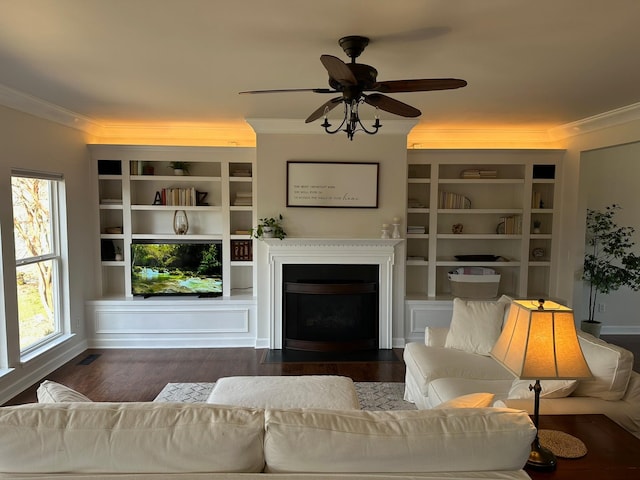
[
  {"x": 426, "y": 364},
  {"x": 314, "y": 441},
  {"x": 130, "y": 438},
  {"x": 52, "y": 392},
  {"x": 471, "y": 400},
  {"x": 476, "y": 325},
  {"x": 610, "y": 366},
  {"x": 550, "y": 388}
]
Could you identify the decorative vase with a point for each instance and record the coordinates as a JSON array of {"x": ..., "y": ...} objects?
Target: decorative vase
[
  {"x": 592, "y": 328},
  {"x": 180, "y": 222}
]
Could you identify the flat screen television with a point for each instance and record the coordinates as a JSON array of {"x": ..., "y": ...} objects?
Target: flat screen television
[{"x": 180, "y": 267}]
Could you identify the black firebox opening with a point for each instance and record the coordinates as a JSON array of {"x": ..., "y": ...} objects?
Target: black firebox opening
[{"x": 330, "y": 307}]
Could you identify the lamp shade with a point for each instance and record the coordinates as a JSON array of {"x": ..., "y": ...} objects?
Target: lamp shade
[{"x": 540, "y": 343}]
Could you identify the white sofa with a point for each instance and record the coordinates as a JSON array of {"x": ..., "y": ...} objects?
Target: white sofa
[
  {"x": 162, "y": 441},
  {"x": 449, "y": 364}
]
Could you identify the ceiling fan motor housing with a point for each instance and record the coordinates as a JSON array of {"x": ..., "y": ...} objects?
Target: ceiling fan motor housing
[{"x": 353, "y": 45}]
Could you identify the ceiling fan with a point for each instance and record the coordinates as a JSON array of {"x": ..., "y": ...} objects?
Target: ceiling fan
[{"x": 352, "y": 80}]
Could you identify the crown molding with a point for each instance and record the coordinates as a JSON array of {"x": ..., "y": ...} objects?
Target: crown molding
[
  {"x": 49, "y": 111},
  {"x": 600, "y": 121}
]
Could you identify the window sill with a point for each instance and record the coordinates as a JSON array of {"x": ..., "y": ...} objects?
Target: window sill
[{"x": 35, "y": 353}]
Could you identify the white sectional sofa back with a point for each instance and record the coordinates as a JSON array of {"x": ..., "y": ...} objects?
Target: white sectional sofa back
[{"x": 196, "y": 441}]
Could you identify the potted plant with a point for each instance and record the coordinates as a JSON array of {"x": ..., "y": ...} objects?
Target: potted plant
[
  {"x": 180, "y": 168},
  {"x": 536, "y": 226},
  {"x": 608, "y": 263},
  {"x": 270, "y": 227}
]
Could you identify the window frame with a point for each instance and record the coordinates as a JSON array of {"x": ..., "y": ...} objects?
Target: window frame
[{"x": 56, "y": 221}]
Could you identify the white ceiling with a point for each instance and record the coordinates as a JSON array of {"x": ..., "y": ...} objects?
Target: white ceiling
[{"x": 146, "y": 62}]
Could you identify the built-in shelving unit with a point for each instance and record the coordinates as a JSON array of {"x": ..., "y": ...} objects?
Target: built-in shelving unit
[
  {"x": 138, "y": 195},
  {"x": 481, "y": 202}
]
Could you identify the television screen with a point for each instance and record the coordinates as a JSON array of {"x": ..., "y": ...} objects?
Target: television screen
[{"x": 176, "y": 268}]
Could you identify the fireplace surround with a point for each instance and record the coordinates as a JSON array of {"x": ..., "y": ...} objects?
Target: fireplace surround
[{"x": 327, "y": 251}]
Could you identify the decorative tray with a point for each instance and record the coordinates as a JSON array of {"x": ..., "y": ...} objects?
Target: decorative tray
[{"x": 477, "y": 258}]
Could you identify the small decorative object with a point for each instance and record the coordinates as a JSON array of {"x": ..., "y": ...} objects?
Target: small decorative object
[
  {"x": 610, "y": 262},
  {"x": 457, "y": 228},
  {"x": 385, "y": 231},
  {"x": 201, "y": 197},
  {"x": 158, "y": 199},
  {"x": 180, "y": 168},
  {"x": 180, "y": 222},
  {"x": 538, "y": 253},
  {"x": 118, "y": 256},
  {"x": 269, "y": 227},
  {"x": 396, "y": 227},
  {"x": 147, "y": 169},
  {"x": 536, "y": 226}
]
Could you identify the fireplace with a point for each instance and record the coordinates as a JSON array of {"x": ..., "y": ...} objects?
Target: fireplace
[
  {"x": 375, "y": 253},
  {"x": 329, "y": 307}
]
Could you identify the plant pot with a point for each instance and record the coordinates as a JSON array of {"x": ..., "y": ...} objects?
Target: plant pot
[
  {"x": 267, "y": 232},
  {"x": 592, "y": 328},
  {"x": 178, "y": 171}
]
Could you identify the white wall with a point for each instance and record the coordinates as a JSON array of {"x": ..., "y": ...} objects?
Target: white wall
[
  {"x": 594, "y": 173},
  {"x": 611, "y": 175},
  {"x": 35, "y": 144},
  {"x": 273, "y": 151}
]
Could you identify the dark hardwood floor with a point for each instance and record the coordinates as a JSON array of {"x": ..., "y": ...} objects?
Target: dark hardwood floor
[{"x": 139, "y": 374}]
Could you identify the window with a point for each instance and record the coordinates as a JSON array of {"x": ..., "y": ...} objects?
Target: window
[{"x": 36, "y": 221}]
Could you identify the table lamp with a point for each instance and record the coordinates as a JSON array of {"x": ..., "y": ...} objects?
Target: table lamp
[{"x": 539, "y": 342}]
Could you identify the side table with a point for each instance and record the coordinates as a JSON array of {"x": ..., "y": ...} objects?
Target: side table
[{"x": 612, "y": 452}]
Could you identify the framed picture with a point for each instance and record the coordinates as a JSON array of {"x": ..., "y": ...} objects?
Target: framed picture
[{"x": 332, "y": 184}]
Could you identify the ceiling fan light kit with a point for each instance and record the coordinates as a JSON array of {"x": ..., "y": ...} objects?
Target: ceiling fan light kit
[{"x": 352, "y": 79}]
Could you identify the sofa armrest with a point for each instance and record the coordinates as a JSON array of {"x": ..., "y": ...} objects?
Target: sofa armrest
[{"x": 435, "y": 336}]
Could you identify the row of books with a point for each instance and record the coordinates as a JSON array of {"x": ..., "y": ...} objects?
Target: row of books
[
  {"x": 177, "y": 196},
  {"x": 420, "y": 229},
  {"x": 511, "y": 225},
  {"x": 453, "y": 200}
]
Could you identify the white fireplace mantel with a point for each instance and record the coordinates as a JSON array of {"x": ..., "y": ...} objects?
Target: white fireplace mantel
[{"x": 354, "y": 251}]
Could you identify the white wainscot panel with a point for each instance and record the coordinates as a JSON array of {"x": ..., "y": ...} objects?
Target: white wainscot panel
[
  {"x": 422, "y": 314},
  {"x": 178, "y": 324},
  {"x": 166, "y": 321}
]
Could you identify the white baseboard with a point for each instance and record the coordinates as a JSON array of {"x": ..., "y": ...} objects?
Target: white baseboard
[{"x": 27, "y": 376}]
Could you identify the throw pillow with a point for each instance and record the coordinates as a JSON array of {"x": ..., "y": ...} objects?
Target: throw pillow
[
  {"x": 52, "y": 392},
  {"x": 476, "y": 324},
  {"x": 472, "y": 400},
  {"x": 610, "y": 366},
  {"x": 550, "y": 388}
]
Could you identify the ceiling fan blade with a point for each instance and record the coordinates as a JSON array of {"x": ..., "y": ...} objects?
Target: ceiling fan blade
[
  {"x": 286, "y": 90},
  {"x": 392, "y": 105},
  {"x": 338, "y": 70},
  {"x": 421, "y": 85},
  {"x": 327, "y": 106}
]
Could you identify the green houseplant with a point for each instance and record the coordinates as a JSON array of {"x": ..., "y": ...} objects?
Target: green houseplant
[
  {"x": 180, "y": 168},
  {"x": 269, "y": 227},
  {"x": 609, "y": 263}
]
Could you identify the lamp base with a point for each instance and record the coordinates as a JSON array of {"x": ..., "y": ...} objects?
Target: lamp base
[{"x": 541, "y": 458}]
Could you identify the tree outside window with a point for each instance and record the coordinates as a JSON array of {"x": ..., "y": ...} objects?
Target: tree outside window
[{"x": 35, "y": 218}]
